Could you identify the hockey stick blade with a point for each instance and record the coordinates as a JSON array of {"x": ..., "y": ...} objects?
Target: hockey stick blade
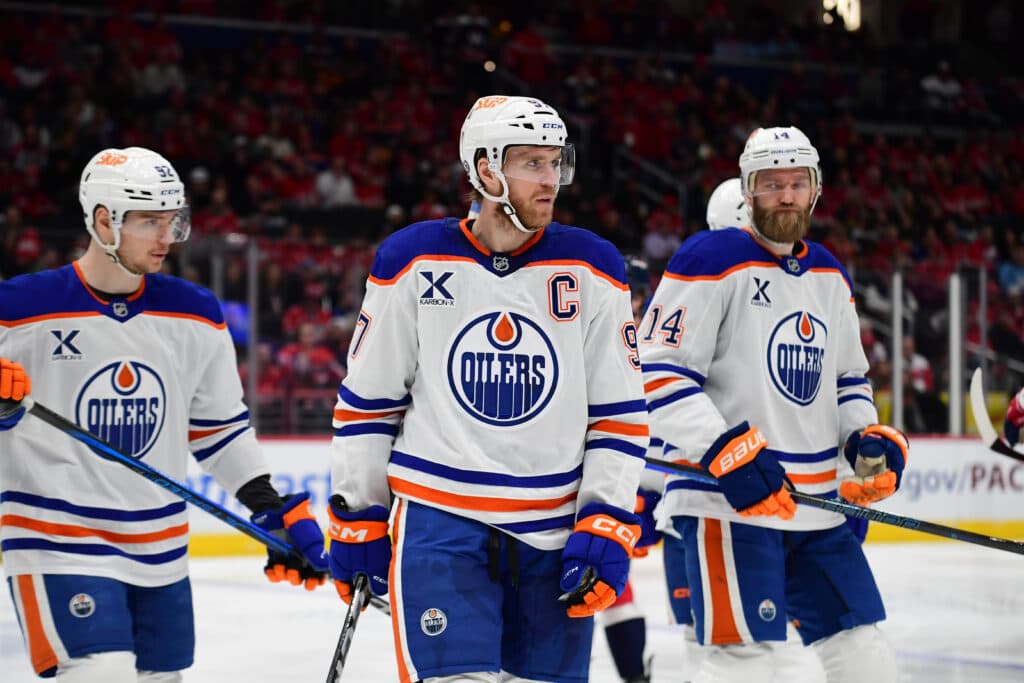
[
  {"x": 859, "y": 511},
  {"x": 986, "y": 430},
  {"x": 109, "y": 452},
  {"x": 360, "y": 596}
]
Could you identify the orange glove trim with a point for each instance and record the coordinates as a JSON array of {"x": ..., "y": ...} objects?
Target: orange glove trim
[
  {"x": 345, "y": 593},
  {"x": 608, "y": 527},
  {"x": 298, "y": 513},
  {"x": 15, "y": 383},
  {"x": 740, "y": 451},
  {"x": 600, "y": 597},
  {"x": 872, "y": 490},
  {"x": 780, "y": 504},
  {"x": 891, "y": 433},
  {"x": 345, "y": 531}
]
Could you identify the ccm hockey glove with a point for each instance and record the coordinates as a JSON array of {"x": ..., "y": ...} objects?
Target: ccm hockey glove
[
  {"x": 15, "y": 385},
  {"x": 646, "y": 500},
  {"x": 294, "y": 522},
  {"x": 752, "y": 480},
  {"x": 359, "y": 545},
  {"x": 595, "y": 562},
  {"x": 878, "y": 455},
  {"x": 1014, "y": 419}
]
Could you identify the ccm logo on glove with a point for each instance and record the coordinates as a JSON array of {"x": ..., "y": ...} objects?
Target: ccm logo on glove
[
  {"x": 738, "y": 452},
  {"x": 625, "y": 534}
]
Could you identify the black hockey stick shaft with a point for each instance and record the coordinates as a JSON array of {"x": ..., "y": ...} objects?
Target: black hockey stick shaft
[
  {"x": 109, "y": 452},
  {"x": 360, "y": 596},
  {"x": 859, "y": 511}
]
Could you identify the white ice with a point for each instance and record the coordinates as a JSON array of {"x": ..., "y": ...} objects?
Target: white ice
[{"x": 956, "y": 614}]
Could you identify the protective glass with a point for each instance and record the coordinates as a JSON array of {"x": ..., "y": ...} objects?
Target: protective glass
[
  {"x": 546, "y": 165},
  {"x": 153, "y": 224}
]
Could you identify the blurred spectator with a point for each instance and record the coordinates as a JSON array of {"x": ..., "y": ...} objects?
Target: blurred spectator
[
  {"x": 917, "y": 367},
  {"x": 334, "y": 185},
  {"x": 1011, "y": 273}
]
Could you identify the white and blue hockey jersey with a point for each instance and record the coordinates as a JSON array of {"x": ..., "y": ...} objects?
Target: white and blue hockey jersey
[
  {"x": 154, "y": 374},
  {"x": 502, "y": 387},
  {"x": 736, "y": 333}
]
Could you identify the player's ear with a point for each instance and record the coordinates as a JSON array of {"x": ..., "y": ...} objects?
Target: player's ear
[
  {"x": 487, "y": 177},
  {"x": 101, "y": 223}
]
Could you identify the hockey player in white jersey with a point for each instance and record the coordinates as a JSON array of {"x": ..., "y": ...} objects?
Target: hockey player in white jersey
[
  {"x": 753, "y": 369},
  {"x": 727, "y": 208},
  {"x": 95, "y": 556},
  {"x": 494, "y": 393}
]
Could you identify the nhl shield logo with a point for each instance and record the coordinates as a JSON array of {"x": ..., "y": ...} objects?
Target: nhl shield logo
[
  {"x": 500, "y": 263},
  {"x": 120, "y": 309}
]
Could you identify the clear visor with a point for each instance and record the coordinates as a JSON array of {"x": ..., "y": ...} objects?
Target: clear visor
[
  {"x": 544, "y": 165},
  {"x": 155, "y": 224},
  {"x": 798, "y": 186}
]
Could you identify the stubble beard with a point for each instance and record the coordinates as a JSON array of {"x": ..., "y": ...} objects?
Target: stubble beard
[{"x": 780, "y": 225}]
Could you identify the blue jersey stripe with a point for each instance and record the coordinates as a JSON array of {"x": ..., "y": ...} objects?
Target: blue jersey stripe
[
  {"x": 244, "y": 415},
  {"x": 851, "y": 381},
  {"x": 367, "y": 428},
  {"x": 676, "y": 370},
  {"x": 486, "y": 478},
  {"x": 854, "y": 397},
  {"x": 204, "y": 453},
  {"x": 564, "y": 522},
  {"x": 690, "y": 485},
  {"x": 357, "y": 401},
  {"x": 820, "y": 456},
  {"x": 91, "y": 549},
  {"x": 626, "y": 447},
  {"x": 60, "y": 505},
  {"x": 609, "y": 409},
  {"x": 672, "y": 398}
]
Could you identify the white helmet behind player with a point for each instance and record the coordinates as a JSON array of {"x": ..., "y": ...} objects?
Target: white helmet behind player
[
  {"x": 497, "y": 122},
  {"x": 726, "y": 206},
  {"x": 131, "y": 179},
  {"x": 780, "y": 147}
]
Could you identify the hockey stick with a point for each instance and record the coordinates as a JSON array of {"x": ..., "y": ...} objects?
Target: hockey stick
[
  {"x": 360, "y": 595},
  {"x": 109, "y": 452},
  {"x": 859, "y": 511},
  {"x": 986, "y": 430}
]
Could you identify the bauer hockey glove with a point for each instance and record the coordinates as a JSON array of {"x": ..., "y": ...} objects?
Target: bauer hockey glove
[
  {"x": 15, "y": 385},
  {"x": 1014, "y": 419},
  {"x": 878, "y": 455},
  {"x": 359, "y": 545},
  {"x": 294, "y": 522},
  {"x": 752, "y": 479},
  {"x": 595, "y": 562},
  {"x": 646, "y": 500}
]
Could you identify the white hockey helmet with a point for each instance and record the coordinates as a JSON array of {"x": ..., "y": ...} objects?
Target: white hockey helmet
[
  {"x": 780, "y": 147},
  {"x": 131, "y": 179},
  {"x": 497, "y": 122},
  {"x": 726, "y": 206}
]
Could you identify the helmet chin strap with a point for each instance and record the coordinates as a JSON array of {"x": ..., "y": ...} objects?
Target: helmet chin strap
[
  {"x": 111, "y": 250},
  {"x": 505, "y": 204}
]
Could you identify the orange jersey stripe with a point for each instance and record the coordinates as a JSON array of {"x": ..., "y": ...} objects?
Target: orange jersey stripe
[
  {"x": 480, "y": 503},
  {"x": 342, "y": 415},
  {"x": 722, "y": 275},
  {"x": 723, "y": 625},
  {"x": 403, "y": 672},
  {"x": 424, "y": 257},
  {"x": 623, "y": 428},
  {"x": 187, "y": 316},
  {"x": 76, "y": 531},
  {"x": 818, "y": 478},
  {"x": 583, "y": 264},
  {"x": 40, "y": 651},
  {"x": 48, "y": 316},
  {"x": 194, "y": 434},
  {"x": 659, "y": 383}
]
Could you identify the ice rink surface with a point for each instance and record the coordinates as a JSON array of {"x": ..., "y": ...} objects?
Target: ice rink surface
[{"x": 956, "y": 614}]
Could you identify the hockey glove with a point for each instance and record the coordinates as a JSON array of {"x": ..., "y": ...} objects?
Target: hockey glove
[
  {"x": 646, "y": 500},
  {"x": 752, "y": 479},
  {"x": 878, "y": 455},
  {"x": 595, "y": 562},
  {"x": 15, "y": 385},
  {"x": 1014, "y": 419},
  {"x": 294, "y": 522},
  {"x": 359, "y": 545}
]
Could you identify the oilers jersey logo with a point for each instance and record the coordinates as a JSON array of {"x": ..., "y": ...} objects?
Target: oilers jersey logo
[
  {"x": 502, "y": 369},
  {"x": 796, "y": 355},
  {"x": 124, "y": 403}
]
